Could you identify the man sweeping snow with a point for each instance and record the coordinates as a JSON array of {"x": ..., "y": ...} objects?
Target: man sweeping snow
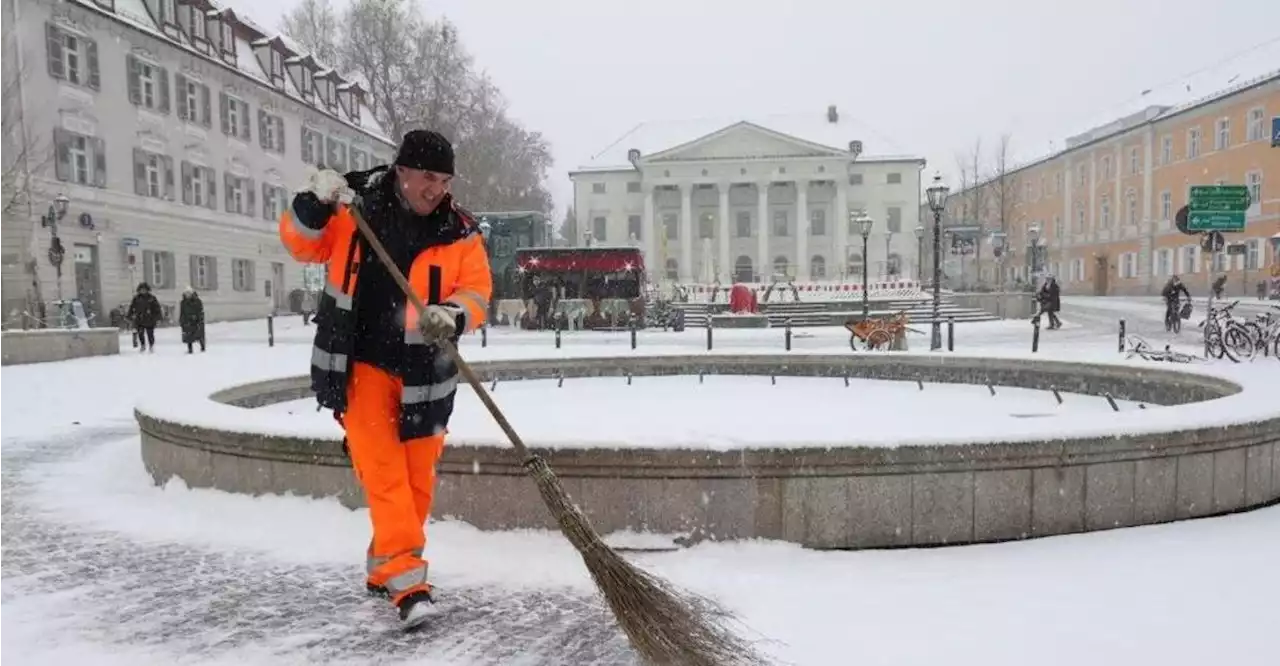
[{"x": 375, "y": 362}]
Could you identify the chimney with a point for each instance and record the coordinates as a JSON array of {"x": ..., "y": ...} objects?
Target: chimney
[{"x": 832, "y": 116}]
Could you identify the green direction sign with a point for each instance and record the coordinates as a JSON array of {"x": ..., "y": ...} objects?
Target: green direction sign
[{"x": 1217, "y": 207}]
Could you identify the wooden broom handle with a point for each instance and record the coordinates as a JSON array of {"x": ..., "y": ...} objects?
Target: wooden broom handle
[{"x": 449, "y": 348}]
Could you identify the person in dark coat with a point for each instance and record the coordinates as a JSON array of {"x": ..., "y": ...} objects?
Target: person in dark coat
[
  {"x": 191, "y": 318},
  {"x": 1172, "y": 293},
  {"x": 145, "y": 313},
  {"x": 1050, "y": 298}
]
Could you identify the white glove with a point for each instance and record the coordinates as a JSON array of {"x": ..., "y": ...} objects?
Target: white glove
[
  {"x": 326, "y": 184},
  {"x": 438, "y": 322}
]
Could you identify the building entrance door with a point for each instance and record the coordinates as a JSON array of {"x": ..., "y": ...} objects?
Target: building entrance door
[
  {"x": 89, "y": 283},
  {"x": 1100, "y": 275}
]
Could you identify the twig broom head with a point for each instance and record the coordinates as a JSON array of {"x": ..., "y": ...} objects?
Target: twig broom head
[{"x": 665, "y": 626}]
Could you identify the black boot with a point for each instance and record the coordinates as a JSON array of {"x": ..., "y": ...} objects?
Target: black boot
[{"x": 415, "y": 609}]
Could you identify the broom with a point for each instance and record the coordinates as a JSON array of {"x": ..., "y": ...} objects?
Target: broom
[{"x": 666, "y": 626}]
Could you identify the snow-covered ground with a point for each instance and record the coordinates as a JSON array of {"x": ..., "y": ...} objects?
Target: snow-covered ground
[{"x": 101, "y": 567}]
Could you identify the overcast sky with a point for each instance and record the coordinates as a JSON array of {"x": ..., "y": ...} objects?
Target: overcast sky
[{"x": 928, "y": 76}]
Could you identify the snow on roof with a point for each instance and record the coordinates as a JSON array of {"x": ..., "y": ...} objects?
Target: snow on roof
[{"x": 656, "y": 136}]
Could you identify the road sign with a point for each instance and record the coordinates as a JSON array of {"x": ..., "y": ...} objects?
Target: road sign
[
  {"x": 1217, "y": 207},
  {"x": 1237, "y": 249}
]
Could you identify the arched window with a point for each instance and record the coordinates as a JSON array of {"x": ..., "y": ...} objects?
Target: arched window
[
  {"x": 673, "y": 269},
  {"x": 895, "y": 265},
  {"x": 742, "y": 270},
  {"x": 854, "y": 265},
  {"x": 817, "y": 267},
  {"x": 780, "y": 265}
]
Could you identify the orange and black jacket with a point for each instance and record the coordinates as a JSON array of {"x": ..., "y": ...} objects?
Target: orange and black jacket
[{"x": 450, "y": 268}]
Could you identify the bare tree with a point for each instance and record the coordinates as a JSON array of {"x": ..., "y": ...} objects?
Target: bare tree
[
  {"x": 569, "y": 227},
  {"x": 313, "y": 25},
  {"x": 26, "y": 155},
  {"x": 1004, "y": 189},
  {"x": 973, "y": 199},
  {"x": 419, "y": 75}
]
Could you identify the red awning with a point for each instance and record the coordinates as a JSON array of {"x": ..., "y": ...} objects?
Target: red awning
[{"x": 591, "y": 262}]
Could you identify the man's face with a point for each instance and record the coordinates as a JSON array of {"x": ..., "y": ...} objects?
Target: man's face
[{"x": 423, "y": 190}]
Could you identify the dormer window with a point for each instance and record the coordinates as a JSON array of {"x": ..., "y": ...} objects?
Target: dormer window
[
  {"x": 308, "y": 83},
  {"x": 194, "y": 20},
  {"x": 228, "y": 37},
  {"x": 277, "y": 67}
]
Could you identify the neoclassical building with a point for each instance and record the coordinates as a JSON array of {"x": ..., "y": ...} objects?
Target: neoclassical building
[{"x": 745, "y": 201}]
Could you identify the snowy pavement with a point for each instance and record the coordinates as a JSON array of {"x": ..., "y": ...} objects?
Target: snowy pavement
[{"x": 101, "y": 567}]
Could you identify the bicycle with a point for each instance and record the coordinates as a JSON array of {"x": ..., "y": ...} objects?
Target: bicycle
[
  {"x": 1225, "y": 336},
  {"x": 1139, "y": 347},
  {"x": 1264, "y": 332}
]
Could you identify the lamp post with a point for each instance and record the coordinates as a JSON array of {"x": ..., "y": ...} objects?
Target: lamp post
[
  {"x": 863, "y": 223},
  {"x": 937, "y": 195},
  {"x": 1033, "y": 252},
  {"x": 57, "y": 211},
  {"x": 920, "y": 254},
  {"x": 999, "y": 241}
]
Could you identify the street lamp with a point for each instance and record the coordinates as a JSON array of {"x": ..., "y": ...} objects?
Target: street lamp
[
  {"x": 863, "y": 223},
  {"x": 999, "y": 241},
  {"x": 920, "y": 254},
  {"x": 57, "y": 211},
  {"x": 937, "y": 195},
  {"x": 1033, "y": 242}
]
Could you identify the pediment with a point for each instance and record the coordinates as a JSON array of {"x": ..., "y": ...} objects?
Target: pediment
[{"x": 743, "y": 141}]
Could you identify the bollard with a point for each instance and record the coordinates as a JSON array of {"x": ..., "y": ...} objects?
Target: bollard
[
  {"x": 1121, "y": 336},
  {"x": 1056, "y": 394},
  {"x": 1035, "y": 335},
  {"x": 484, "y": 336},
  {"x": 633, "y": 335},
  {"x": 494, "y": 385},
  {"x": 1114, "y": 406},
  {"x": 991, "y": 388},
  {"x": 951, "y": 333},
  {"x": 708, "y": 336},
  {"x": 846, "y": 380},
  {"x": 788, "y": 335},
  {"x": 557, "y": 338},
  {"x": 773, "y": 379},
  {"x": 1141, "y": 406},
  {"x": 628, "y": 379},
  {"x": 271, "y": 331},
  {"x": 699, "y": 377},
  {"x": 560, "y": 383},
  {"x": 919, "y": 384}
]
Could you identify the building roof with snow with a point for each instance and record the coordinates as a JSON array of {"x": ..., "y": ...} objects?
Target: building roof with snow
[{"x": 829, "y": 130}]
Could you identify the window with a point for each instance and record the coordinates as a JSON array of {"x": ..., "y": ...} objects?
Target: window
[
  {"x": 1079, "y": 225},
  {"x": 335, "y": 154},
  {"x": 1131, "y": 208},
  {"x": 193, "y": 101},
  {"x": 1164, "y": 263},
  {"x": 671, "y": 224},
  {"x": 600, "y": 228},
  {"x": 359, "y": 159},
  {"x": 1253, "y": 181},
  {"x": 228, "y": 38},
  {"x": 195, "y": 22},
  {"x": 894, "y": 266},
  {"x": 893, "y": 219},
  {"x": 780, "y": 265},
  {"x": 235, "y": 116},
  {"x": 855, "y": 179},
  {"x": 1077, "y": 270},
  {"x": 1128, "y": 265},
  {"x": 167, "y": 12},
  {"x": 242, "y": 275},
  {"x": 673, "y": 269},
  {"x": 274, "y": 201},
  {"x": 1106, "y": 167},
  {"x": 1104, "y": 214},
  {"x": 1166, "y": 205},
  {"x": 1221, "y": 262},
  {"x": 597, "y": 188},
  {"x": 312, "y": 147},
  {"x": 198, "y": 186},
  {"x": 633, "y": 186},
  {"x": 743, "y": 224},
  {"x": 152, "y": 175},
  {"x": 148, "y": 84},
  {"x": 72, "y": 57},
  {"x": 1253, "y": 254},
  {"x": 817, "y": 267},
  {"x": 1058, "y": 230},
  {"x": 818, "y": 222},
  {"x": 893, "y": 179},
  {"x": 780, "y": 223},
  {"x": 853, "y": 265},
  {"x": 707, "y": 225},
  {"x": 1166, "y": 150},
  {"x": 635, "y": 227},
  {"x": 1082, "y": 176},
  {"x": 1190, "y": 258},
  {"x": 240, "y": 193},
  {"x": 1222, "y": 137},
  {"x": 1193, "y": 143},
  {"x": 204, "y": 273},
  {"x": 1135, "y": 165},
  {"x": 79, "y": 159},
  {"x": 1256, "y": 126},
  {"x": 271, "y": 131},
  {"x": 157, "y": 269}
]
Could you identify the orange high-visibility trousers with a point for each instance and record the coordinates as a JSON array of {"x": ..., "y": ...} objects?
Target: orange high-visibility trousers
[{"x": 398, "y": 479}]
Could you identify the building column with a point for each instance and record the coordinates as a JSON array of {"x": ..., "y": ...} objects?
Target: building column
[
  {"x": 725, "y": 274},
  {"x": 801, "y": 271},
  {"x": 686, "y": 233},
  {"x": 764, "y": 267},
  {"x": 840, "y": 223},
  {"x": 650, "y": 231}
]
